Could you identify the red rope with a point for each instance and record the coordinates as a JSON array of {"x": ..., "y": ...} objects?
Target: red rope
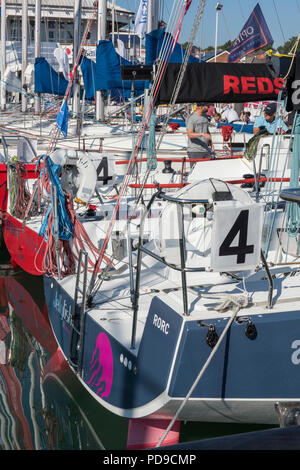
[
  {"x": 180, "y": 160},
  {"x": 22, "y": 194}
]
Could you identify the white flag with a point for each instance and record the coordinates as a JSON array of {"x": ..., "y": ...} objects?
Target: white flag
[
  {"x": 141, "y": 18},
  {"x": 63, "y": 61},
  {"x": 121, "y": 48}
]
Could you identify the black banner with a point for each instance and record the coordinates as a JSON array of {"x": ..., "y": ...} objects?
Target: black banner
[
  {"x": 293, "y": 87},
  {"x": 220, "y": 83}
]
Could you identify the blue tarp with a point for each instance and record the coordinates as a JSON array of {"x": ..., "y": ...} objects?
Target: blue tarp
[
  {"x": 108, "y": 71},
  {"x": 47, "y": 80},
  {"x": 155, "y": 41},
  {"x": 88, "y": 69}
]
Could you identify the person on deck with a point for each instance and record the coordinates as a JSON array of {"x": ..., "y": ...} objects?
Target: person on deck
[
  {"x": 229, "y": 115},
  {"x": 211, "y": 110},
  {"x": 215, "y": 120},
  {"x": 199, "y": 138},
  {"x": 268, "y": 121}
]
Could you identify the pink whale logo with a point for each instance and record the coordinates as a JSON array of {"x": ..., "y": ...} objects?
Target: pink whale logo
[{"x": 102, "y": 366}]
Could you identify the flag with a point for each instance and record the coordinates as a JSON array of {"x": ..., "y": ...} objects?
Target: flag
[
  {"x": 140, "y": 24},
  {"x": 255, "y": 34},
  {"x": 62, "y": 119},
  {"x": 187, "y": 5}
]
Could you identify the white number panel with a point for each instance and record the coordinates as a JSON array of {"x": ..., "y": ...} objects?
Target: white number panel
[{"x": 236, "y": 237}]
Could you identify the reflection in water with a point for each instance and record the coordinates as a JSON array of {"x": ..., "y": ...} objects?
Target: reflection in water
[{"x": 42, "y": 404}]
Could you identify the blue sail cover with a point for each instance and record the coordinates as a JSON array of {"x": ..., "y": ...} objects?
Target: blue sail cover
[
  {"x": 108, "y": 72},
  {"x": 154, "y": 43},
  {"x": 47, "y": 80},
  {"x": 88, "y": 69}
]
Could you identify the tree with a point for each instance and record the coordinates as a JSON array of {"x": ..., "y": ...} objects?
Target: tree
[
  {"x": 287, "y": 46},
  {"x": 226, "y": 46}
]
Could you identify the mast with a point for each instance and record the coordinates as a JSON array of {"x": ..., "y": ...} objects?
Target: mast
[
  {"x": 37, "y": 48},
  {"x": 76, "y": 46},
  {"x": 101, "y": 34},
  {"x": 152, "y": 24},
  {"x": 3, "y": 54},
  {"x": 24, "y": 51},
  {"x": 113, "y": 23},
  {"x": 152, "y": 15}
]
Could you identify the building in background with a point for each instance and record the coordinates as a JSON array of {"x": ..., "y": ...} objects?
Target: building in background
[
  {"x": 57, "y": 29},
  {"x": 57, "y": 20}
]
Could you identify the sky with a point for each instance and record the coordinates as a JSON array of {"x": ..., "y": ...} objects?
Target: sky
[{"x": 282, "y": 17}]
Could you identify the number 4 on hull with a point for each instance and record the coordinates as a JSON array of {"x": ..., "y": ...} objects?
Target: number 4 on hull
[{"x": 236, "y": 237}]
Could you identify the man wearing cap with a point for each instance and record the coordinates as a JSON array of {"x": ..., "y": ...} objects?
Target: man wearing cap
[
  {"x": 268, "y": 121},
  {"x": 199, "y": 137}
]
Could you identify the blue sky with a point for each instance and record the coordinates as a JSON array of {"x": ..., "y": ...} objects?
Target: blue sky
[{"x": 282, "y": 17}]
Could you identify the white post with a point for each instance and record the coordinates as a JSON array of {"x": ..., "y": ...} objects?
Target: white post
[
  {"x": 152, "y": 15},
  {"x": 37, "y": 48},
  {"x": 113, "y": 17},
  {"x": 24, "y": 51},
  {"x": 3, "y": 54},
  {"x": 218, "y": 8},
  {"x": 101, "y": 34},
  {"x": 76, "y": 46}
]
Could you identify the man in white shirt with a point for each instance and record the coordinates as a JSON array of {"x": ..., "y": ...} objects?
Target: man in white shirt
[{"x": 229, "y": 114}]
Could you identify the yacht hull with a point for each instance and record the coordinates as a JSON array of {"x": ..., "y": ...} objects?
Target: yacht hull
[
  {"x": 25, "y": 246},
  {"x": 246, "y": 377}
]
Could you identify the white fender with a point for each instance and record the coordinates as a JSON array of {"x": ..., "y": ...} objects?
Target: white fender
[{"x": 86, "y": 170}]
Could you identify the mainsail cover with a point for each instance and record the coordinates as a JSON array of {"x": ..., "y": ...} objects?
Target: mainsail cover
[
  {"x": 215, "y": 82},
  {"x": 108, "y": 70},
  {"x": 157, "y": 41},
  {"x": 47, "y": 80},
  {"x": 88, "y": 69}
]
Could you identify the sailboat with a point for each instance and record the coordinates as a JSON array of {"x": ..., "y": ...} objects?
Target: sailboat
[
  {"x": 189, "y": 326},
  {"x": 158, "y": 327}
]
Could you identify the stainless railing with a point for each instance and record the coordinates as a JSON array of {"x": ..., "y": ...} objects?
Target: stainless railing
[{"x": 182, "y": 248}]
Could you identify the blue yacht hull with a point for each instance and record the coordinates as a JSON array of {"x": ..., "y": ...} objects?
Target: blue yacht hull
[{"x": 248, "y": 374}]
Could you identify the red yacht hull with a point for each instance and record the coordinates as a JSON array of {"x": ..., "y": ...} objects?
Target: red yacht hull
[
  {"x": 26, "y": 247},
  {"x": 3, "y": 187}
]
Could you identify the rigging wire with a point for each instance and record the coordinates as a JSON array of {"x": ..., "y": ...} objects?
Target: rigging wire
[
  {"x": 153, "y": 93},
  {"x": 183, "y": 67},
  {"x": 242, "y": 13},
  {"x": 226, "y": 25},
  {"x": 276, "y": 11},
  {"x": 55, "y": 132}
]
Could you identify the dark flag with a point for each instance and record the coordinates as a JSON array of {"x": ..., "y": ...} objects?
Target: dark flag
[{"x": 255, "y": 34}]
